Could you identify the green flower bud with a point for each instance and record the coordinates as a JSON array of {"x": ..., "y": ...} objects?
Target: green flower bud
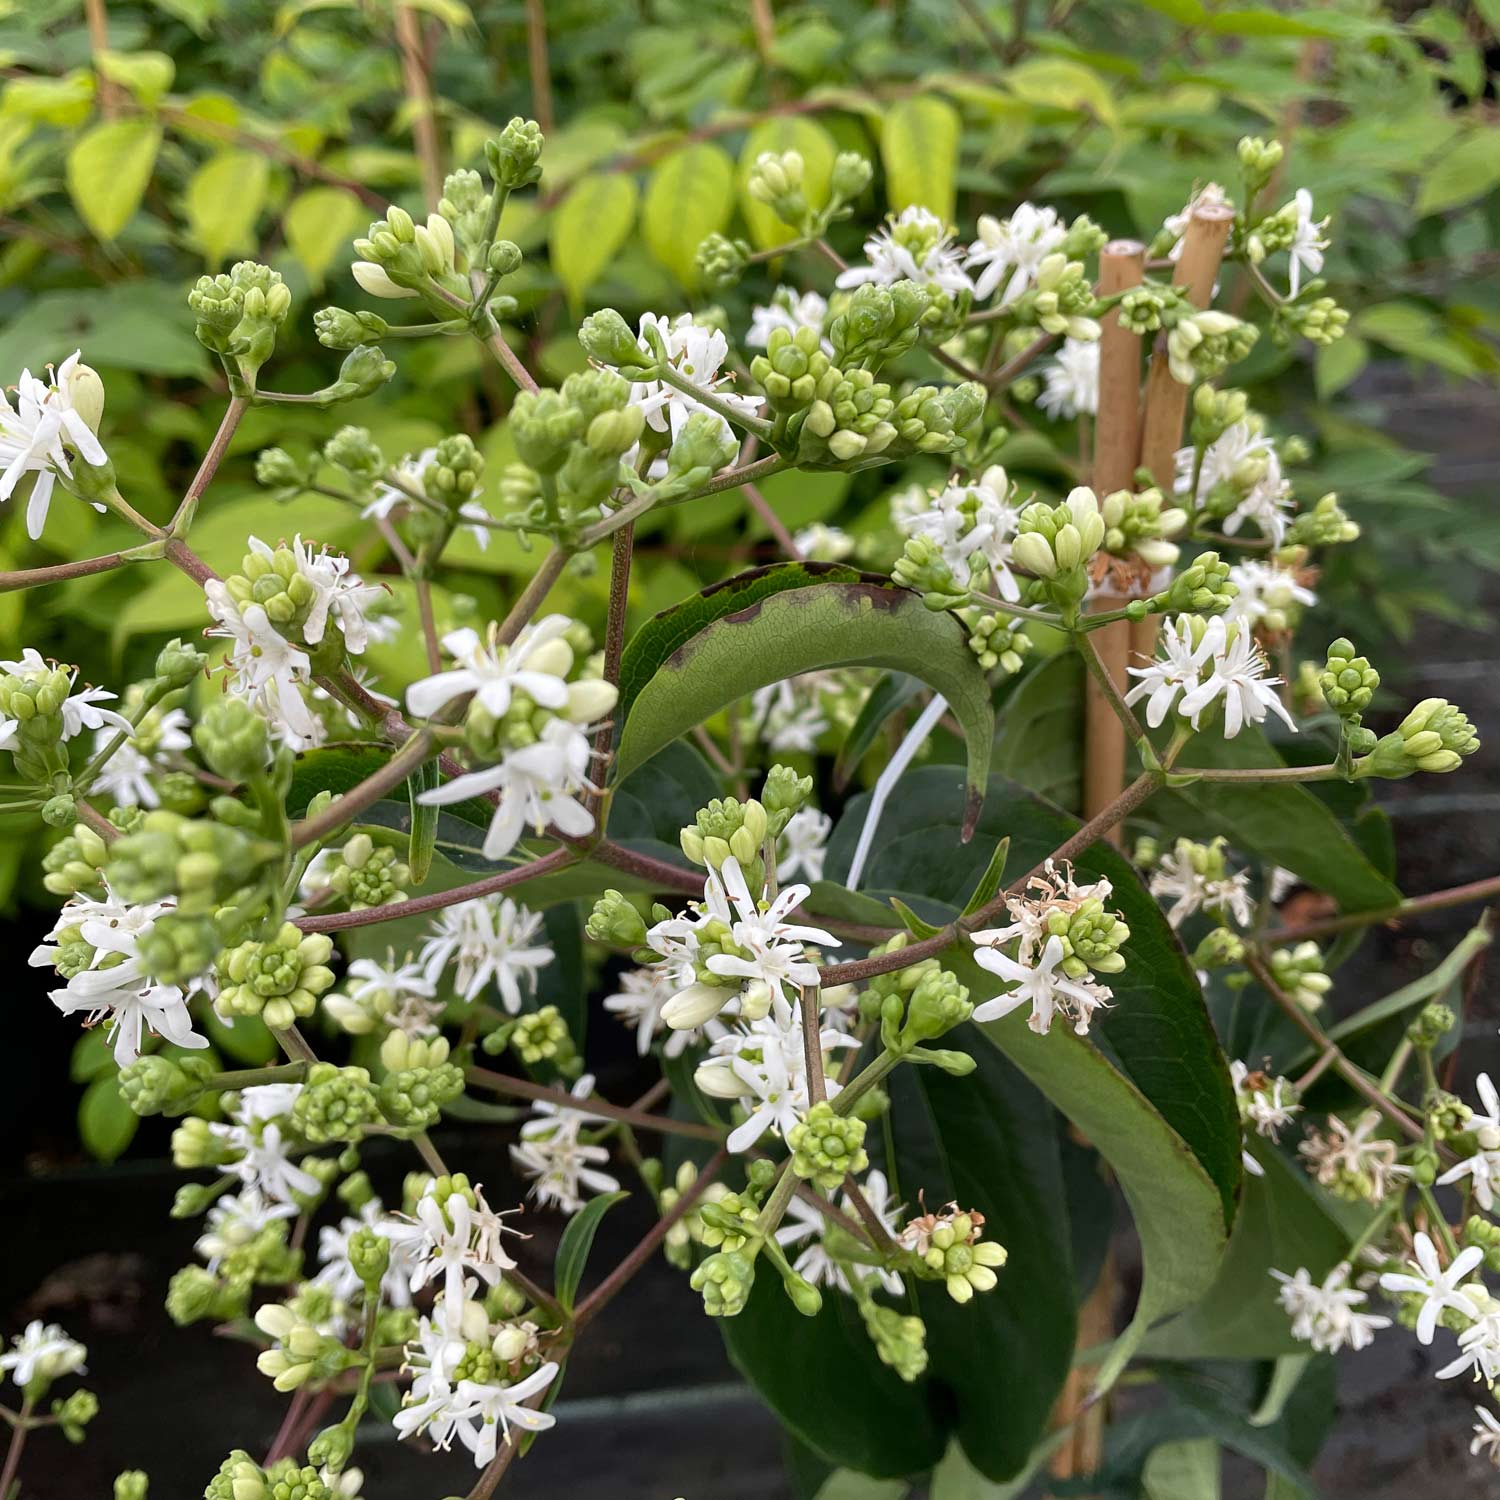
[
  {"x": 364, "y": 370},
  {"x": 1221, "y": 948},
  {"x": 232, "y": 739},
  {"x": 721, "y": 262},
  {"x": 503, "y": 258},
  {"x": 279, "y": 979},
  {"x": 338, "y": 328},
  {"x": 1431, "y": 1024},
  {"x": 366, "y": 873},
  {"x": 725, "y": 1280},
  {"x": 784, "y": 794},
  {"x": 1325, "y": 525},
  {"x": 1300, "y": 975},
  {"x": 1347, "y": 682},
  {"x": 192, "y": 1295},
  {"x": 852, "y": 174},
  {"x": 616, "y": 921},
  {"x": 997, "y": 641},
  {"x": 924, "y": 570},
  {"x": 515, "y": 155},
  {"x": 370, "y": 1257},
  {"x": 74, "y": 1412},
  {"x": 131, "y": 1484},
  {"x": 900, "y": 1339},
  {"x": 1258, "y": 160},
  {"x": 453, "y": 475},
  {"x": 699, "y": 451},
  {"x": 805, "y": 1297},
  {"x": 179, "y": 664},
  {"x": 606, "y": 336},
  {"x": 542, "y": 1036},
  {"x": 1434, "y": 736},
  {"x": 827, "y": 1147},
  {"x": 957, "y": 1256},
  {"x": 775, "y": 179},
  {"x": 353, "y": 450},
  {"x": 238, "y": 314},
  {"x": 336, "y": 1104},
  {"x": 156, "y": 1085},
  {"x": 1203, "y": 587}
]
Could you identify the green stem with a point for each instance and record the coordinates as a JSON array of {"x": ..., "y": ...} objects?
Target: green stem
[
  {"x": 864, "y": 1081},
  {"x": 714, "y": 402},
  {"x": 1100, "y": 673},
  {"x": 1262, "y": 773},
  {"x": 245, "y": 1078}
]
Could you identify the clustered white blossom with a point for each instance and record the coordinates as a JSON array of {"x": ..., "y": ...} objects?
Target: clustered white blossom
[
  {"x": 487, "y": 940},
  {"x": 1038, "y": 969},
  {"x": 538, "y": 785},
  {"x": 1203, "y": 662},
  {"x": 97, "y": 942}
]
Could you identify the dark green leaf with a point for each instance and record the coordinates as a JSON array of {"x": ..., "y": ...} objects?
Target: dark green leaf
[
  {"x": 892, "y": 692},
  {"x": 989, "y": 883},
  {"x": 1285, "y": 825},
  {"x": 424, "y": 820},
  {"x": 782, "y": 634},
  {"x": 106, "y": 1123},
  {"x": 1282, "y": 1224},
  {"x": 576, "y": 1242}
]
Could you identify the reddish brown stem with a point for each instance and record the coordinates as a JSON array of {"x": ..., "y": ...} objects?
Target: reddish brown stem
[
  {"x": 337, "y": 921},
  {"x": 523, "y": 1088},
  {"x": 609, "y": 1288}
]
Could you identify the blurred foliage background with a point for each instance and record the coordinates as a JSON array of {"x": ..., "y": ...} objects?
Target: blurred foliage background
[{"x": 145, "y": 143}]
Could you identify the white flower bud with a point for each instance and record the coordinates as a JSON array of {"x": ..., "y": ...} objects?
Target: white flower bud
[
  {"x": 373, "y": 279},
  {"x": 86, "y": 392},
  {"x": 590, "y": 699},
  {"x": 718, "y": 1080},
  {"x": 554, "y": 657},
  {"x": 694, "y": 1005},
  {"x": 1032, "y": 552}
]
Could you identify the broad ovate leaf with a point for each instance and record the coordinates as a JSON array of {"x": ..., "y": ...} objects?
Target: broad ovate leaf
[{"x": 776, "y": 623}]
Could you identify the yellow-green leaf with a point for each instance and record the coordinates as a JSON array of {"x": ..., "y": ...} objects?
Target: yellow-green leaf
[
  {"x": 318, "y": 224},
  {"x": 1463, "y": 172},
  {"x": 148, "y": 75},
  {"x": 224, "y": 199},
  {"x": 919, "y": 147},
  {"x": 588, "y": 229},
  {"x": 689, "y": 197},
  {"x": 108, "y": 169},
  {"x": 1064, "y": 84},
  {"x": 785, "y": 133}
]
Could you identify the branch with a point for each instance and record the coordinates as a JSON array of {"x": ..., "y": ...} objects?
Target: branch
[
  {"x": 367, "y": 916},
  {"x": 1458, "y": 895},
  {"x": 523, "y": 1088},
  {"x": 608, "y": 1289}
]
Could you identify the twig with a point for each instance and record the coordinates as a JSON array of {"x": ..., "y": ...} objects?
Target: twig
[
  {"x": 523, "y": 1088},
  {"x": 774, "y": 524},
  {"x": 1347, "y": 1070},
  {"x": 1458, "y": 895},
  {"x": 338, "y": 921},
  {"x": 608, "y": 1289}
]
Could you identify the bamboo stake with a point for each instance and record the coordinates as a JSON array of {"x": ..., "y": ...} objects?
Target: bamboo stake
[
  {"x": 1122, "y": 264},
  {"x": 1166, "y": 400},
  {"x": 418, "y": 85}
]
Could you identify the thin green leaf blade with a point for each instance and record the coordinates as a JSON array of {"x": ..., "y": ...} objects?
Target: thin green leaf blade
[{"x": 576, "y": 1243}]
